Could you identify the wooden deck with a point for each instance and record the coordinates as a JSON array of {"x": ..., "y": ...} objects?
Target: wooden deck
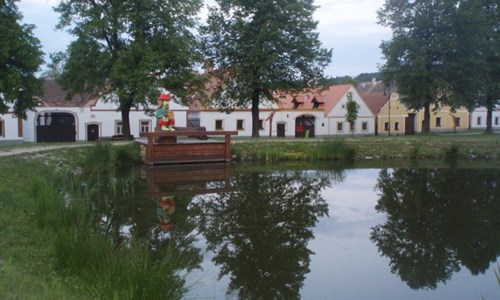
[{"x": 176, "y": 148}]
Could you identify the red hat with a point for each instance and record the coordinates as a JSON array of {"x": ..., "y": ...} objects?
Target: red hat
[{"x": 164, "y": 97}]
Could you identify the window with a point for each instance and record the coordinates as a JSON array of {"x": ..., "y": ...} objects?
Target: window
[
  {"x": 496, "y": 120},
  {"x": 340, "y": 126},
  {"x": 2, "y": 129},
  {"x": 457, "y": 121},
  {"x": 118, "y": 127},
  {"x": 438, "y": 122},
  {"x": 261, "y": 124},
  {"x": 478, "y": 120},
  {"x": 386, "y": 126},
  {"x": 396, "y": 126},
  {"x": 219, "y": 125},
  {"x": 239, "y": 125},
  {"x": 364, "y": 126},
  {"x": 144, "y": 126},
  {"x": 352, "y": 126}
]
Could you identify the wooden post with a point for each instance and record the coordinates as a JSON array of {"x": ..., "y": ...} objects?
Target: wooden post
[{"x": 228, "y": 147}]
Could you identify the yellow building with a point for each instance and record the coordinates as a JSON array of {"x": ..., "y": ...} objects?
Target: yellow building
[
  {"x": 444, "y": 119},
  {"x": 394, "y": 118}
]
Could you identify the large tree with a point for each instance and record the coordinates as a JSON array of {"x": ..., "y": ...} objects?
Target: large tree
[
  {"x": 417, "y": 56},
  {"x": 483, "y": 17},
  {"x": 261, "y": 46},
  {"x": 128, "y": 49},
  {"x": 20, "y": 59}
]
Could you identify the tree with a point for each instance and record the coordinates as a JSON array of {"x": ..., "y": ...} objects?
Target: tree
[
  {"x": 481, "y": 48},
  {"x": 417, "y": 57},
  {"x": 20, "y": 59},
  {"x": 128, "y": 50},
  {"x": 260, "y": 232},
  {"x": 259, "y": 47},
  {"x": 352, "y": 110},
  {"x": 438, "y": 220}
]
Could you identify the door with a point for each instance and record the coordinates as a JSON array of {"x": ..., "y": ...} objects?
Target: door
[
  {"x": 281, "y": 129},
  {"x": 410, "y": 124},
  {"x": 92, "y": 132}
]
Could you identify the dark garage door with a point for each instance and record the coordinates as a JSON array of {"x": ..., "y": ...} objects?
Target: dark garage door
[{"x": 55, "y": 127}]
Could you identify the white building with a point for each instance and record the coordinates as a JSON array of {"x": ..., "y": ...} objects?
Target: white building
[
  {"x": 80, "y": 119},
  {"x": 478, "y": 118},
  {"x": 307, "y": 114}
]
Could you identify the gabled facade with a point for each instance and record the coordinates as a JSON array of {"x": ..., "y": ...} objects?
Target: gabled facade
[
  {"x": 336, "y": 111},
  {"x": 394, "y": 118}
]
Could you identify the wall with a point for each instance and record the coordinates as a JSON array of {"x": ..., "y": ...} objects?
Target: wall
[
  {"x": 480, "y": 113},
  {"x": 337, "y": 115},
  {"x": 10, "y": 129}
]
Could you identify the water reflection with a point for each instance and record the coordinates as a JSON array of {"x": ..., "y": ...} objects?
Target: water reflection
[
  {"x": 261, "y": 227},
  {"x": 437, "y": 221},
  {"x": 259, "y": 232}
]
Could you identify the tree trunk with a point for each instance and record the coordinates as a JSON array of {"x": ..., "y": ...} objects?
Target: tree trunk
[
  {"x": 126, "y": 124},
  {"x": 489, "y": 114},
  {"x": 427, "y": 119},
  {"x": 255, "y": 113}
]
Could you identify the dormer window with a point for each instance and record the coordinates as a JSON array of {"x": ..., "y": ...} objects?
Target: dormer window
[
  {"x": 316, "y": 103},
  {"x": 296, "y": 103}
]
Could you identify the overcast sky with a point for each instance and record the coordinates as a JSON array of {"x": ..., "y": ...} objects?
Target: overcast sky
[{"x": 349, "y": 27}]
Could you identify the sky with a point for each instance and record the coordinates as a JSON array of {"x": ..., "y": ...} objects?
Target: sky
[{"x": 349, "y": 27}]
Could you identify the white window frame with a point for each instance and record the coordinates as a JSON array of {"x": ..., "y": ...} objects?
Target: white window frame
[{"x": 118, "y": 127}]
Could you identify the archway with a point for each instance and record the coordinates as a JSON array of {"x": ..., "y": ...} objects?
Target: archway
[
  {"x": 304, "y": 126},
  {"x": 55, "y": 127}
]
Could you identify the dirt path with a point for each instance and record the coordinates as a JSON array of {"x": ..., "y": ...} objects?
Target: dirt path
[{"x": 30, "y": 149}]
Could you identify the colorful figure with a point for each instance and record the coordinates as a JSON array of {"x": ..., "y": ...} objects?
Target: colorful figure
[
  {"x": 164, "y": 117},
  {"x": 165, "y": 212}
]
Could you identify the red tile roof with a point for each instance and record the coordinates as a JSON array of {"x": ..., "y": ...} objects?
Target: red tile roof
[{"x": 314, "y": 99}]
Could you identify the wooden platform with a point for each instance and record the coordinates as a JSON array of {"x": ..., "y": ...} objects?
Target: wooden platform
[{"x": 176, "y": 148}]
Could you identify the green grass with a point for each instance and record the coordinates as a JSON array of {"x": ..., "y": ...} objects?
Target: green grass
[
  {"x": 416, "y": 147},
  {"x": 52, "y": 246}
]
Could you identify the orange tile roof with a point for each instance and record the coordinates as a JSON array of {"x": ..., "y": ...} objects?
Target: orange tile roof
[{"x": 315, "y": 99}]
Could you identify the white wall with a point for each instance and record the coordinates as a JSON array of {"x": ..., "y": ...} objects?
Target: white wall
[
  {"x": 480, "y": 113},
  {"x": 105, "y": 116},
  {"x": 337, "y": 114},
  {"x": 10, "y": 128}
]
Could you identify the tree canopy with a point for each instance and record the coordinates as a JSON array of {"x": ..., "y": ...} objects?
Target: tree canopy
[
  {"x": 262, "y": 46},
  {"x": 129, "y": 50},
  {"x": 20, "y": 58},
  {"x": 417, "y": 57},
  {"x": 443, "y": 52}
]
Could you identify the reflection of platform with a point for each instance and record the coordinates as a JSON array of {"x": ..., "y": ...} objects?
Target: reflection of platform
[
  {"x": 188, "y": 179},
  {"x": 172, "y": 150}
]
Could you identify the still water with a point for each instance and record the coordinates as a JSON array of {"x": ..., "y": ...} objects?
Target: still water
[{"x": 301, "y": 233}]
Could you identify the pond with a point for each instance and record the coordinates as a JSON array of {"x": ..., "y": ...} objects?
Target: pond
[{"x": 324, "y": 233}]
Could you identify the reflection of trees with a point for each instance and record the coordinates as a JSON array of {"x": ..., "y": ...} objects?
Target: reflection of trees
[
  {"x": 438, "y": 220},
  {"x": 260, "y": 232},
  {"x": 126, "y": 211}
]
